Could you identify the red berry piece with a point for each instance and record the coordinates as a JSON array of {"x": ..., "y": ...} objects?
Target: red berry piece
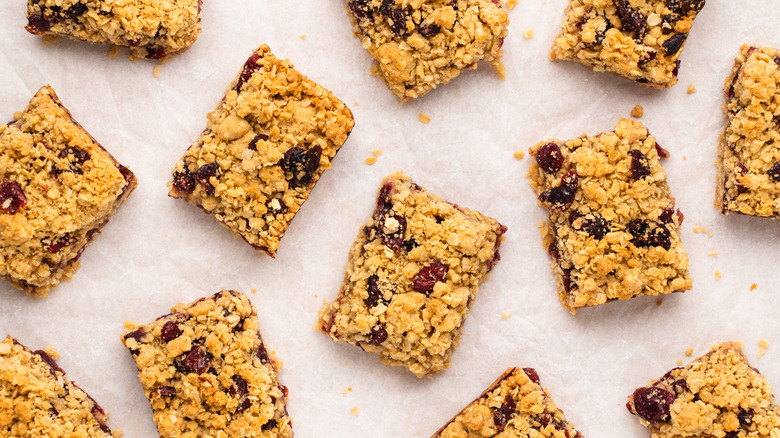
[
  {"x": 640, "y": 166},
  {"x": 561, "y": 197},
  {"x": 632, "y": 19},
  {"x": 430, "y": 30},
  {"x": 663, "y": 153},
  {"x": 429, "y": 276},
  {"x": 240, "y": 386},
  {"x": 360, "y": 10},
  {"x": 197, "y": 360},
  {"x": 170, "y": 331},
  {"x": 276, "y": 206},
  {"x": 374, "y": 294},
  {"x": 378, "y": 334},
  {"x": 300, "y": 165},
  {"x": 649, "y": 56},
  {"x": 246, "y": 72},
  {"x": 396, "y": 19},
  {"x": 12, "y": 197},
  {"x": 745, "y": 417},
  {"x": 740, "y": 170},
  {"x": 688, "y": 6},
  {"x": 255, "y": 139},
  {"x": 673, "y": 44},
  {"x": 164, "y": 391},
  {"x": 593, "y": 224},
  {"x": 567, "y": 283},
  {"x": 155, "y": 53},
  {"x": 65, "y": 240},
  {"x": 392, "y": 229},
  {"x": 38, "y": 25},
  {"x": 262, "y": 354},
  {"x": 774, "y": 172},
  {"x": 653, "y": 403},
  {"x": 647, "y": 233},
  {"x": 550, "y": 158},
  {"x": 203, "y": 176},
  {"x": 270, "y": 424},
  {"x": 531, "y": 373},
  {"x": 184, "y": 182},
  {"x": 75, "y": 11},
  {"x": 502, "y": 415}
]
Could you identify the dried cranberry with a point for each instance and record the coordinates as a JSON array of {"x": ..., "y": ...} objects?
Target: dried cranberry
[
  {"x": 676, "y": 68},
  {"x": 632, "y": 19},
  {"x": 732, "y": 434},
  {"x": 777, "y": 60},
  {"x": 640, "y": 166},
  {"x": 76, "y": 157},
  {"x": 531, "y": 373},
  {"x": 60, "y": 242},
  {"x": 155, "y": 53},
  {"x": 688, "y": 6},
  {"x": 653, "y": 403},
  {"x": 391, "y": 229},
  {"x": 581, "y": 22},
  {"x": 666, "y": 215},
  {"x": 255, "y": 139},
  {"x": 384, "y": 200},
  {"x": 136, "y": 334},
  {"x": 774, "y": 172},
  {"x": 561, "y": 197},
  {"x": 663, "y": 153},
  {"x": 203, "y": 176},
  {"x": 36, "y": 24},
  {"x": 12, "y": 197},
  {"x": 740, "y": 170},
  {"x": 49, "y": 361},
  {"x": 244, "y": 405},
  {"x": 430, "y": 30},
  {"x": 549, "y": 157},
  {"x": 184, "y": 182},
  {"x": 429, "y": 276},
  {"x": 75, "y": 11},
  {"x": 262, "y": 354},
  {"x": 378, "y": 334},
  {"x": 374, "y": 294},
  {"x": 197, "y": 360},
  {"x": 596, "y": 227},
  {"x": 552, "y": 250},
  {"x": 396, "y": 19},
  {"x": 240, "y": 386},
  {"x": 673, "y": 44},
  {"x": 409, "y": 245},
  {"x": 566, "y": 280},
  {"x": 649, "y": 233},
  {"x": 680, "y": 386},
  {"x": 301, "y": 165},
  {"x": 276, "y": 206},
  {"x": 360, "y": 10},
  {"x": 745, "y": 417},
  {"x": 246, "y": 72},
  {"x": 164, "y": 391},
  {"x": 502, "y": 415},
  {"x": 170, "y": 331},
  {"x": 270, "y": 424},
  {"x": 649, "y": 56}
]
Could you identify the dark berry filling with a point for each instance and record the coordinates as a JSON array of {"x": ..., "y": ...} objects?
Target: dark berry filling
[
  {"x": 774, "y": 172},
  {"x": 203, "y": 176},
  {"x": 429, "y": 276},
  {"x": 653, "y": 403},
  {"x": 164, "y": 391},
  {"x": 391, "y": 228},
  {"x": 550, "y": 158},
  {"x": 197, "y": 360},
  {"x": 246, "y": 72},
  {"x": 300, "y": 165},
  {"x": 170, "y": 331},
  {"x": 378, "y": 334},
  {"x": 60, "y": 242},
  {"x": 561, "y": 197},
  {"x": 12, "y": 197},
  {"x": 255, "y": 139},
  {"x": 632, "y": 19},
  {"x": 648, "y": 233},
  {"x": 502, "y": 415},
  {"x": 531, "y": 373},
  {"x": 184, "y": 182},
  {"x": 593, "y": 224},
  {"x": 640, "y": 166},
  {"x": 673, "y": 44}
]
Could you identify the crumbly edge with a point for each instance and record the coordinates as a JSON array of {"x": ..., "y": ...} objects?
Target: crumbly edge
[
  {"x": 37, "y": 400},
  {"x": 748, "y": 147},
  {"x": 65, "y": 209},
  {"x": 150, "y": 28},
  {"x": 518, "y": 401},
  {"x": 610, "y": 268},
  {"x": 411, "y": 64},
  {"x": 720, "y": 386},
  {"x": 594, "y": 34},
  {"x": 421, "y": 328},
  {"x": 205, "y": 370},
  {"x": 269, "y": 110}
]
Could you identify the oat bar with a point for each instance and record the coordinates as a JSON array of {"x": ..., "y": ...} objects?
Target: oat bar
[
  {"x": 639, "y": 39},
  {"x": 419, "y": 45},
  {"x": 749, "y": 149},
  {"x": 612, "y": 232},
  {"x": 206, "y": 372},
  {"x": 151, "y": 29},
  {"x": 58, "y": 188},
  {"x": 36, "y": 400},
  {"x": 717, "y": 395},
  {"x": 412, "y": 276},
  {"x": 515, "y": 405},
  {"x": 265, "y": 147}
]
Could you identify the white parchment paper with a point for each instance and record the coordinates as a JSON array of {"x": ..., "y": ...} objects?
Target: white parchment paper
[{"x": 157, "y": 251}]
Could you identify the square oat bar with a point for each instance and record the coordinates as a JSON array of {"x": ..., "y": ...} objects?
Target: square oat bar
[
  {"x": 638, "y": 39},
  {"x": 749, "y": 149},
  {"x": 206, "y": 372},
  {"x": 265, "y": 147},
  {"x": 716, "y": 395},
  {"x": 412, "y": 276},
  {"x": 58, "y": 188},
  {"x": 36, "y": 400},
  {"x": 515, "y": 405},
  {"x": 612, "y": 231},
  {"x": 422, "y": 44},
  {"x": 151, "y": 29}
]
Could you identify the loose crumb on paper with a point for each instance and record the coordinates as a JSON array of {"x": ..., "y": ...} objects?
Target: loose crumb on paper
[
  {"x": 519, "y": 155},
  {"x": 659, "y": 302},
  {"x": 691, "y": 89},
  {"x": 156, "y": 70},
  {"x": 679, "y": 362},
  {"x": 506, "y": 316},
  {"x": 712, "y": 253},
  {"x": 718, "y": 275},
  {"x": 372, "y": 159},
  {"x": 354, "y": 410},
  {"x": 753, "y": 286},
  {"x": 117, "y": 433},
  {"x": 50, "y": 39},
  {"x": 424, "y": 118},
  {"x": 762, "y": 346},
  {"x": 113, "y": 51},
  {"x": 637, "y": 111},
  {"x": 510, "y": 4},
  {"x": 303, "y": 36},
  {"x": 689, "y": 352},
  {"x": 254, "y": 291},
  {"x": 528, "y": 33},
  {"x": 709, "y": 233}
]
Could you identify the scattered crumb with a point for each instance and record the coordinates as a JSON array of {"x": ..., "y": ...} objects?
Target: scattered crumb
[
  {"x": 528, "y": 34},
  {"x": 349, "y": 388},
  {"x": 540, "y": 224},
  {"x": 129, "y": 325},
  {"x": 424, "y": 118},
  {"x": 346, "y": 363},
  {"x": 709, "y": 233},
  {"x": 356, "y": 103},
  {"x": 689, "y": 352},
  {"x": 510, "y": 4},
  {"x": 712, "y": 253},
  {"x": 156, "y": 70},
  {"x": 371, "y": 160},
  {"x": 303, "y": 36},
  {"x": 718, "y": 275},
  {"x": 684, "y": 158},
  {"x": 254, "y": 291},
  {"x": 679, "y": 362},
  {"x": 344, "y": 392},
  {"x": 696, "y": 230},
  {"x": 519, "y": 155},
  {"x": 691, "y": 89},
  {"x": 113, "y": 51},
  {"x": 762, "y": 346},
  {"x": 659, "y": 302},
  {"x": 506, "y": 316},
  {"x": 637, "y": 112},
  {"x": 703, "y": 229},
  {"x": 50, "y": 39},
  {"x": 52, "y": 352},
  {"x": 117, "y": 433},
  {"x": 315, "y": 296},
  {"x": 753, "y": 286},
  {"x": 354, "y": 410}
]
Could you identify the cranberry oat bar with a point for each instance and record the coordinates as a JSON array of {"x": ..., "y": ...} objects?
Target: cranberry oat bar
[
  {"x": 421, "y": 44},
  {"x": 58, "y": 188},
  {"x": 265, "y": 147},
  {"x": 612, "y": 232},
  {"x": 717, "y": 395},
  {"x": 515, "y": 405},
  {"x": 412, "y": 276},
  {"x": 36, "y": 400},
  {"x": 206, "y": 372},
  {"x": 150, "y": 28},
  {"x": 749, "y": 149},
  {"x": 638, "y": 39}
]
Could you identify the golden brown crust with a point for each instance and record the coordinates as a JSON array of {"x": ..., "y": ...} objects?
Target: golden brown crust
[
  {"x": 265, "y": 147},
  {"x": 206, "y": 371},
  {"x": 36, "y": 400},
  {"x": 748, "y": 154},
  {"x": 71, "y": 187},
  {"x": 412, "y": 276}
]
